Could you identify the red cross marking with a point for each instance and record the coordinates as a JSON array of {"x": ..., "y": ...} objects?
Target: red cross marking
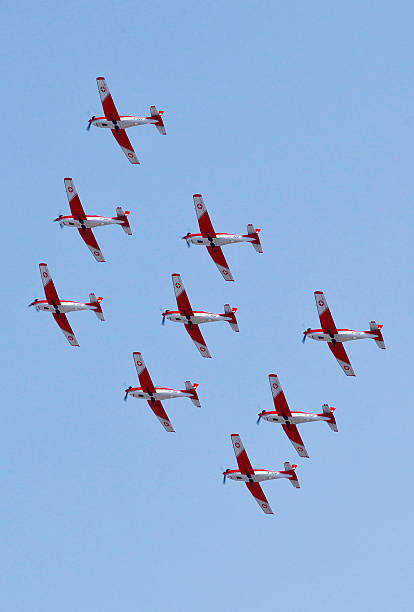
[
  {"x": 70, "y": 189},
  {"x": 237, "y": 445},
  {"x": 178, "y": 286},
  {"x": 45, "y": 274},
  {"x": 199, "y": 206},
  {"x": 102, "y": 88},
  {"x": 321, "y": 303}
]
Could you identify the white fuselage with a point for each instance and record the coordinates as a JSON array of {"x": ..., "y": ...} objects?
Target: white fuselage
[
  {"x": 295, "y": 419},
  {"x": 160, "y": 393},
  {"x": 343, "y": 335},
  {"x": 197, "y": 318},
  {"x": 123, "y": 123},
  {"x": 218, "y": 240},
  {"x": 63, "y": 307},
  {"x": 89, "y": 222},
  {"x": 257, "y": 476}
]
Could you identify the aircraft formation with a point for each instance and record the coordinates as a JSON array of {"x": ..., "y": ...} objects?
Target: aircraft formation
[{"x": 192, "y": 319}]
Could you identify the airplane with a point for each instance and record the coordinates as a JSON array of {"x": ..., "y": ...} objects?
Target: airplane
[
  {"x": 58, "y": 307},
  {"x": 154, "y": 395},
  {"x": 192, "y": 319},
  {"x": 117, "y": 123},
  {"x": 214, "y": 242},
  {"x": 289, "y": 420},
  {"x": 84, "y": 222},
  {"x": 335, "y": 337},
  {"x": 252, "y": 477}
]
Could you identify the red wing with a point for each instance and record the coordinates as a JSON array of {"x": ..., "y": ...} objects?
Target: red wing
[
  {"x": 341, "y": 357},
  {"x": 48, "y": 285},
  {"x": 197, "y": 338},
  {"x": 63, "y": 323},
  {"x": 327, "y": 322},
  {"x": 293, "y": 434},
  {"x": 123, "y": 141},
  {"x": 206, "y": 227},
  {"x": 106, "y": 99},
  {"x": 77, "y": 208},
  {"x": 183, "y": 302},
  {"x": 162, "y": 416},
  {"x": 257, "y": 492},
  {"x": 146, "y": 381},
  {"x": 281, "y": 405},
  {"x": 220, "y": 261},
  {"x": 89, "y": 238}
]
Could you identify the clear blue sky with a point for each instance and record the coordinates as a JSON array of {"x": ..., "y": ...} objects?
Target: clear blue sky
[{"x": 298, "y": 118}]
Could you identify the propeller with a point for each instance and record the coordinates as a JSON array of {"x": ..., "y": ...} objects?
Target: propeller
[
  {"x": 58, "y": 220},
  {"x": 33, "y": 303},
  {"x": 88, "y": 127},
  {"x": 305, "y": 334},
  {"x": 225, "y": 475},
  {"x": 260, "y": 417},
  {"x": 163, "y": 316},
  {"x": 185, "y": 238},
  {"x": 127, "y": 393}
]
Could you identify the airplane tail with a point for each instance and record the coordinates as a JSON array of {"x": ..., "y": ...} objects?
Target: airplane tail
[
  {"x": 290, "y": 469},
  {"x": 155, "y": 114},
  {"x": 194, "y": 397},
  {"x": 229, "y": 312},
  {"x": 376, "y": 329},
  {"x": 124, "y": 217},
  {"x": 96, "y": 303},
  {"x": 254, "y": 233},
  {"x": 329, "y": 412}
]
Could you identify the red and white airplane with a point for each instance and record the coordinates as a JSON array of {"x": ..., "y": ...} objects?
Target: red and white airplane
[
  {"x": 335, "y": 337},
  {"x": 154, "y": 395},
  {"x": 58, "y": 307},
  {"x": 214, "y": 242},
  {"x": 192, "y": 319},
  {"x": 289, "y": 420},
  {"x": 118, "y": 124},
  {"x": 252, "y": 477},
  {"x": 84, "y": 222}
]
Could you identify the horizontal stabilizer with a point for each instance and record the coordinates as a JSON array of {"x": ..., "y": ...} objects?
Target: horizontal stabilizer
[
  {"x": 290, "y": 469},
  {"x": 254, "y": 233},
  {"x": 155, "y": 114},
  {"x": 329, "y": 412},
  {"x": 124, "y": 217},
  {"x": 230, "y": 313},
  {"x": 194, "y": 397},
  {"x": 379, "y": 340},
  {"x": 96, "y": 302}
]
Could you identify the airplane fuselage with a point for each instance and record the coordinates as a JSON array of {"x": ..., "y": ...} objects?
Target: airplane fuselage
[
  {"x": 160, "y": 393},
  {"x": 63, "y": 307},
  {"x": 218, "y": 240},
  {"x": 126, "y": 121},
  {"x": 295, "y": 419},
  {"x": 197, "y": 318},
  {"x": 257, "y": 476},
  {"x": 343, "y": 335},
  {"x": 89, "y": 222}
]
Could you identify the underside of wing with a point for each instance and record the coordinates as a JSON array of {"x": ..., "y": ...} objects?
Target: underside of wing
[
  {"x": 161, "y": 415},
  {"x": 108, "y": 104},
  {"x": 197, "y": 338},
  {"x": 63, "y": 323},
  {"x": 341, "y": 357},
  {"x": 325, "y": 317},
  {"x": 181, "y": 296},
  {"x": 76, "y": 207},
  {"x": 257, "y": 492},
  {"x": 294, "y": 436},
  {"x": 89, "y": 238},
  {"x": 123, "y": 141},
  {"x": 220, "y": 261},
  {"x": 204, "y": 222},
  {"x": 48, "y": 285}
]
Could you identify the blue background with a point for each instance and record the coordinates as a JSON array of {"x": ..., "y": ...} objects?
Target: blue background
[{"x": 296, "y": 117}]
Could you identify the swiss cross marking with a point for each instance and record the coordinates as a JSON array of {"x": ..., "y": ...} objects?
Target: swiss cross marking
[
  {"x": 70, "y": 337},
  {"x": 199, "y": 206},
  {"x": 102, "y": 88},
  {"x": 139, "y": 363},
  {"x": 178, "y": 286},
  {"x": 237, "y": 445},
  {"x": 346, "y": 367},
  {"x": 44, "y": 274},
  {"x": 70, "y": 189},
  {"x": 321, "y": 303},
  {"x": 275, "y": 386}
]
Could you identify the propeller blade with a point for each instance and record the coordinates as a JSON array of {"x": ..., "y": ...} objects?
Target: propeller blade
[
  {"x": 304, "y": 338},
  {"x": 259, "y": 419},
  {"x": 127, "y": 393},
  {"x": 305, "y": 334},
  {"x": 88, "y": 127},
  {"x": 163, "y": 320},
  {"x": 224, "y": 478}
]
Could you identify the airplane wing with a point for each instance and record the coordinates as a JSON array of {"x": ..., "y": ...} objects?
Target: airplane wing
[
  {"x": 257, "y": 492},
  {"x": 206, "y": 227},
  {"x": 246, "y": 468},
  {"x": 329, "y": 327},
  {"x": 125, "y": 144},
  {"x": 341, "y": 357},
  {"x": 48, "y": 285},
  {"x": 220, "y": 261},
  {"x": 79, "y": 214},
  {"x": 282, "y": 408},
  {"x": 148, "y": 386},
  {"x": 183, "y": 302},
  {"x": 112, "y": 115},
  {"x": 143, "y": 374},
  {"x": 109, "y": 107},
  {"x": 197, "y": 338},
  {"x": 327, "y": 322},
  {"x": 62, "y": 320}
]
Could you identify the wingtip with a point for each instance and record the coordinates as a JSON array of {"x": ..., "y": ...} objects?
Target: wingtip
[
  {"x": 197, "y": 195},
  {"x": 67, "y": 178}
]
